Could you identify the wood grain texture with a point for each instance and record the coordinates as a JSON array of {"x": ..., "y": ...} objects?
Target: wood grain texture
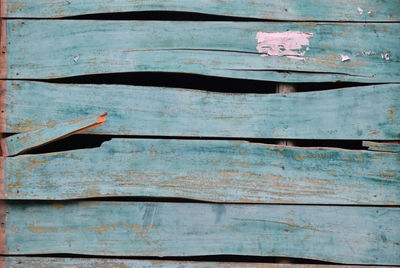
[
  {"x": 45, "y": 262},
  {"x": 357, "y": 235},
  {"x": 306, "y": 10},
  {"x": 219, "y": 171},
  {"x": 41, "y": 49},
  {"x": 382, "y": 146},
  {"x": 369, "y": 113},
  {"x": 54, "y": 131}
]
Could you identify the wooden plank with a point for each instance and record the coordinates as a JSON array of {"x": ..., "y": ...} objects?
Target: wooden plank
[
  {"x": 46, "y": 262},
  {"x": 382, "y": 146},
  {"x": 22, "y": 142},
  {"x": 344, "y": 234},
  {"x": 218, "y": 171},
  {"x": 369, "y": 113},
  {"x": 289, "y": 52},
  {"x": 306, "y": 10}
]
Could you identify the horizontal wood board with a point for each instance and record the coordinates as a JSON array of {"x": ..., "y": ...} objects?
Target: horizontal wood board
[
  {"x": 299, "y": 52},
  {"x": 356, "y": 235},
  {"x": 370, "y": 113},
  {"x": 46, "y": 262},
  {"x": 216, "y": 171},
  {"x": 305, "y": 10}
]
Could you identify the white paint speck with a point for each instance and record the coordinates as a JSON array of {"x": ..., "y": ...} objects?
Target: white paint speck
[
  {"x": 360, "y": 10},
  {"x": 385, "y": 56},
  {"x": 76, "y": 58},
  {"x": 370, "y": 13},
  {"x": 277, "y": 44},
  {"x": 344, "y": 58}
]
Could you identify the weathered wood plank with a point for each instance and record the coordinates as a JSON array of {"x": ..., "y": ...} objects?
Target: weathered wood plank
[
  {"x": 289, "y": 52},
  {"x": 57, "y": 130},
  {"x": 221, "y": 171},
  {"x": 45, "y": 262},
  {"x": 382, "y": 146},
  {"x": 369, "y": 113},
  {"x": 357, "y": 235},
  {"x": 306, "y": 10}
]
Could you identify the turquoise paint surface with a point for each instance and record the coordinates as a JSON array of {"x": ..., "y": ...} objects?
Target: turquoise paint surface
[
  {"x": 41, "y": 49},
  {"x": 357, "y": 235},
  {"x": 339, "y": 10},
  {"x": 369, "y": 113},
  {"x": 218, "y": 171}
]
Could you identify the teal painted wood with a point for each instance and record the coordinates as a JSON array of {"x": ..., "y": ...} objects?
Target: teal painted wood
[
  {"x": 54, "y": 131},
  {"x": 370, "y": 112},
  {"x": 382, "y": 146},
  {"x": 357, "y": 235},
  {"x": 218, "y": 171},
  {"x": 41, "y": 49},
  {"x": 342, "y": 10},
  {"x": 45, "y": 262}
]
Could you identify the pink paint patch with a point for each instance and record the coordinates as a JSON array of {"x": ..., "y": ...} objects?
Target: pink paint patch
[{"x": 290, "y": 43}]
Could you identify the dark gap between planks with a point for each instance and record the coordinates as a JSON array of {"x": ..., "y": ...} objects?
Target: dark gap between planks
[
  {"x": 207, "y": 258},
  {"x": 194, "y": 81},
  {"x": 158, "y": 199},
  {"x": 161, "y": 15},
  {"x": 89, "y": 141}
]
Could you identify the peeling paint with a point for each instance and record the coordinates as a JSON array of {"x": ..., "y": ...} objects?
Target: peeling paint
[{"x": 277, "y": 44}]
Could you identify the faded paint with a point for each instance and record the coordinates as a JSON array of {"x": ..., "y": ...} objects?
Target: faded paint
[{"x": 277, "y": 44}]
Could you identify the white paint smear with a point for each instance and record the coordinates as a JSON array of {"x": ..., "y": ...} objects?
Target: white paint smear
[
  {"x": 360, "y": 10},
  {"x": 290, "y": 43}
]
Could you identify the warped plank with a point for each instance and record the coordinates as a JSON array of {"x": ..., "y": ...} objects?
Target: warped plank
[
  {"x": 58, "y": 130},
  {"x": 45, "y": 262},
  {"x": 298, "y": 52},
  {"x": 382, "y": 146},
  {"x": 306, "y": 10},
  {"x": 218, "y": 171},
  {"x": 356, "y": 235},
  {"x": 369, "y": 113}
]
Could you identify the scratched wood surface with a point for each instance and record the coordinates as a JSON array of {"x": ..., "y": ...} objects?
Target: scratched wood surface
[
  {"x": 221, "y": 171},
  {"x": 370, "y": 112},
  {"x": 274, "y": 51},
  {"x": 343, "y": 234},
  {"x": 305, "y": 10},
  {"x": 46, "y": 262}
]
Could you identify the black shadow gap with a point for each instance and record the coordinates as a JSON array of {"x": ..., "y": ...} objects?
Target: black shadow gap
[
  {"x": 204, "y": 258},
  {"x": 194, "y": 81},
  {"x": 90, "y": 141}
]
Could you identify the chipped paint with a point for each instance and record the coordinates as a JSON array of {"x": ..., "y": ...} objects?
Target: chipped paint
[
  {"x": 360, "y": 10},
  {"x": 277, "y": 44},
  {"x": 344, "y": 58}
]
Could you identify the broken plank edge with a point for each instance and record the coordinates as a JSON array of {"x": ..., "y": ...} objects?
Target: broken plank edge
[
  {"x": 26, "y": 141},
  {"x": 386, "y": 146}
]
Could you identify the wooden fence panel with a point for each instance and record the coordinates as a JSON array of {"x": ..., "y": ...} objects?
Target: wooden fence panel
[
  {"x": 363, "y": 113},
  {"x": 273, "y": 51},
  {"x": 217, "y": 171},
  {"x": 305, "y": 10},
  {"x": 364, "y": 235}
]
